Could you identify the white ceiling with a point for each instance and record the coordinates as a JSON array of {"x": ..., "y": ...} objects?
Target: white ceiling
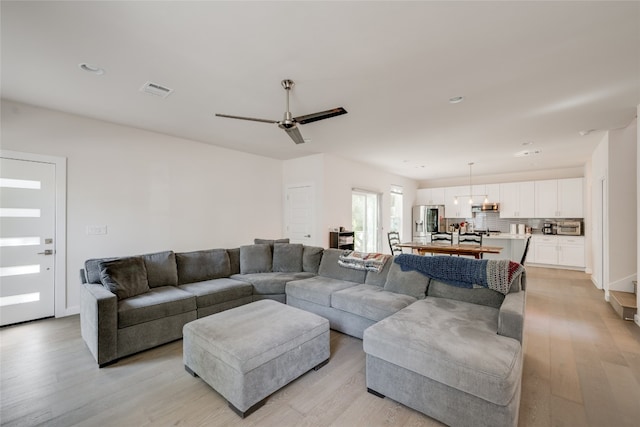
[{"x": 535, "y": 72}]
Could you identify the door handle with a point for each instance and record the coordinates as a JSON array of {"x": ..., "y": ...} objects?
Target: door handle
[
  {"x": 46, "y": 252},
  {"x": 307, "y": 235}
]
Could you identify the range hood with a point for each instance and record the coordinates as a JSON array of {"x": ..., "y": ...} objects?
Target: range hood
[{"x": 486, "y": 207}]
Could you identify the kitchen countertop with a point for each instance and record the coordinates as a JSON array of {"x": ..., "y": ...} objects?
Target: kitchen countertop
[{"x": 505, "y": 236}]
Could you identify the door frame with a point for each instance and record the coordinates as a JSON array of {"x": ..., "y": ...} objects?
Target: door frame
[{"x": 60, "y": 260}]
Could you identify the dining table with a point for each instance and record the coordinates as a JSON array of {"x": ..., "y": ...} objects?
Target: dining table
[{"x": 475, "y": 251}]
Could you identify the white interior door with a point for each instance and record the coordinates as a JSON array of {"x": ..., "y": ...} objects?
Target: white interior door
[
  {"x": 27, "y": 240},
  {"x": 299, "y": 221}
]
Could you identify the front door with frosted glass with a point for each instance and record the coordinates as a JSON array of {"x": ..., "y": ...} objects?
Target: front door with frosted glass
[{"x": 27, "y": 241}]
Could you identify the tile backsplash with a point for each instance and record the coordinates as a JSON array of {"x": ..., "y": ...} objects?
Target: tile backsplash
[{"x": 492, "y": 221}]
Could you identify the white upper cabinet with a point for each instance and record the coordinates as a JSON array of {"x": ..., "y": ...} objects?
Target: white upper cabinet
[
  {"x": 462, "y": 209},
  {"x": 559, "y": 198},
  {"x": 570, "y": 198},
  {"x": 430, "y": 196},
  {"x": 517, "y": 200},
  {"x": 493, "y": 192}
]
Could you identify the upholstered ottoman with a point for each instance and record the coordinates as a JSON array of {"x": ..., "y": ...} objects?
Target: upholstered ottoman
[{"x": 248, "y": 352}]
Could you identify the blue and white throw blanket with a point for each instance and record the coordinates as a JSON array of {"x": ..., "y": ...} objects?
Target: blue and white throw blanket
[
  {"x": 363, "y": 260},
  {"x": 465, "y": 272}
]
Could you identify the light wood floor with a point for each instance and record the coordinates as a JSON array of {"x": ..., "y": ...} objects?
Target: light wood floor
[{"x": 581, "y": 367}]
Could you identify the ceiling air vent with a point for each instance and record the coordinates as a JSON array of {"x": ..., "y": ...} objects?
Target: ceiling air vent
[
  {"x": 156, "y": 89},
  {"x": 529, "y": 153}
]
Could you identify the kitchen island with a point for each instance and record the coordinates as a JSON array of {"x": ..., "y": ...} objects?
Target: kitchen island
[{"x": 512, "y": 244}]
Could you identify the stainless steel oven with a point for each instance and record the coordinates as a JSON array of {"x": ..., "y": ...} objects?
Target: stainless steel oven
[{"x": 569, "y": 228}]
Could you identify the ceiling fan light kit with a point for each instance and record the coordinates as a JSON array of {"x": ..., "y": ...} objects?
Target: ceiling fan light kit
[{"x": 289, "y": 123}]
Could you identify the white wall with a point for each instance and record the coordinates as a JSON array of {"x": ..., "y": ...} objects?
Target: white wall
[
  {"x": 622, "y": 207},
  {"x": 334, "y": 178},
  {"x": 615, "y": 257},
  {"x": 154, "y": 192},
  {"x": 637, "y": 316}
]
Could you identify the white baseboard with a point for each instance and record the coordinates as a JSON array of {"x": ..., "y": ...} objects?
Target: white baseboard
[
  {"x": 70, "y": 311},
  {"x": 595, "y": 283},
  {"x": 636, "y": 318},
  {"x": 625, "y": 284}
]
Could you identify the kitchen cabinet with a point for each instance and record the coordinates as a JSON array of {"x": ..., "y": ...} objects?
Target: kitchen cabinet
[
  {"x": 571, "y": 251},
  {"x": 430, "y": 196},
  {"x": 517, "y": 200},
  {"x": 565, "y": 251},
  {"x": 559, "y": 198},
  {"x": 462, "y": 209}
]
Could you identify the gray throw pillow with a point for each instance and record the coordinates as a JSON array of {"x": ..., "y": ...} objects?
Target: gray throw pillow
[
  {"x": 311, "y": 257},
  {"x": 125, "y": 277},
  {"x": 287, "y": 257},
  {"x": 162, "y": 269},
  {"x": 234, "y": 260},
  {"x": 412, "y": 283},
  {"x": 255, "y": 259}
]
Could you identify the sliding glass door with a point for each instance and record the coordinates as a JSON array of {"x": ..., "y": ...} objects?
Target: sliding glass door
[{"x": 365, "y": 213}]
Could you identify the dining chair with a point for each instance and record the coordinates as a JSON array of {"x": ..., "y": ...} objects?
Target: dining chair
[
  {"x": 394, "y": 239},
  {"x": 474, "y": 239},
  {"x": 442, "y": 237},
  {"x": 470, "y": 239},
  {"x": 526, "y": 249}
]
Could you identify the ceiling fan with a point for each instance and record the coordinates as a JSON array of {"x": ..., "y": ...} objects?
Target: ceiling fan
[{"x": 289, "y": 123}]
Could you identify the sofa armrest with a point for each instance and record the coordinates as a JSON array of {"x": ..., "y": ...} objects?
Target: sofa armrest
[
  {"x": 99, "y": 322},
  {"x": 511, "y": 315}
]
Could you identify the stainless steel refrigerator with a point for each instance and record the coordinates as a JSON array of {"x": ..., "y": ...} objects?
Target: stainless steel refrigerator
[{"x": 426, "y": 220}]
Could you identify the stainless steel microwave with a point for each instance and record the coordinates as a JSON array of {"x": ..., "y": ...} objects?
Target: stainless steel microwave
[{"x": 569, "y": 228}]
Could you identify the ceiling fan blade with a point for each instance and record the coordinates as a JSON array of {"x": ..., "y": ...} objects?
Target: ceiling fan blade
[
  {"x": 246, "y": 118},
  {"x": 314, "y": 117},
  {"x": 295, "y": 134}
]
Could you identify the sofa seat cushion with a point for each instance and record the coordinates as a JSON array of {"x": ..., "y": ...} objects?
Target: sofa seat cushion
[
  {"x": 158, "y": 303},
  {"x": 212, "y": 292},
  {"x": 370, "y": 301},
  {"x": 452, "y": 342},
  {"x": 270, "y": 283},
  {"x": 317, "y": 289}
]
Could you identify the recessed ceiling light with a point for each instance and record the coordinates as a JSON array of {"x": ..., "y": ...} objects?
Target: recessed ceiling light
[
  {"x": 456, "y": 99},
  {"x": 527, "y": 143},
  {"x": 91, "y": 69}
]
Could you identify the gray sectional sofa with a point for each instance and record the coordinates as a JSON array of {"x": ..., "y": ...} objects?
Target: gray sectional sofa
[{"x": 452, "y": 353}]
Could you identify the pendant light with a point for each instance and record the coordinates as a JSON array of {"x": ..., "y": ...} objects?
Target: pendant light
[{"x": 470, "y": 195}]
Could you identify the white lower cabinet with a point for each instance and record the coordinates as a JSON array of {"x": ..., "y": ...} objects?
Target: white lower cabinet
[
  {"x": 571, "y": 251},
  {"x": 565, "y": 251}
]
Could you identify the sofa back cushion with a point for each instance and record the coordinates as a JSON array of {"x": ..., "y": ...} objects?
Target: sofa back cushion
[
  {"x": 162, "y": 269},
  {"x": 125, "y": 277},
  {"x": 255, "y": 258},
  {"x": 329, "y": 267},
  {"x": 480, "y": 295},
  {"x": 270, "y": 242},
  {"x": 379, "y": 279},
  {"x": 410, "y": 282},
  {"x": 311, "y": 257},
  {"x": 287, "y": 257},
  {"x": 198, "y": 266}
]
